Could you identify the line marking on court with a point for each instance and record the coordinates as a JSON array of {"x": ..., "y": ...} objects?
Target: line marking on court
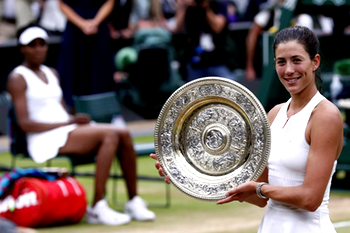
[{"x": 341, "y": 224}]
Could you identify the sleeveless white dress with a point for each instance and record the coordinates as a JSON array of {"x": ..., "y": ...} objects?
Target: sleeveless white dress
[
  {"x": 287, "y": 165},
  {"x": 44, "y": 105}
]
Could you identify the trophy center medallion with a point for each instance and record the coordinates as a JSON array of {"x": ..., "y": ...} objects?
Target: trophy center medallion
[{"x": 215, "y": 138}]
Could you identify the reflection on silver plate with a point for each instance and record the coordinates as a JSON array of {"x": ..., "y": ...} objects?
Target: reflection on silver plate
[{"x": 211, "y": 135}]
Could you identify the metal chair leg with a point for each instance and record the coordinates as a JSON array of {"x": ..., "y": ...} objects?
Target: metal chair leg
[{"x": 115, "y": 183}]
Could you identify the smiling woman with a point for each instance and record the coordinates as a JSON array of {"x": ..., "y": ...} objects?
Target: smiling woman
[
  {"x": 297, "y": 61},
  {"x": 295, "y": 68},
  {"x": 298, "y": 193},
  {"x": 295, "y": 186}
]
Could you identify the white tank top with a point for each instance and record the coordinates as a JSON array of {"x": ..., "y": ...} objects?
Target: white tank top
[
  {"x": 287, "y": 167},
  {"x": 44, "y": 105},
  {"x": 289, "y": 148},
  {"x": 43, "y": 99}
]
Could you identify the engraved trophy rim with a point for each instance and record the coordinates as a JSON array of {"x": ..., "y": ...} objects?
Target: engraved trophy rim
[{"x": 211, "y": 135}]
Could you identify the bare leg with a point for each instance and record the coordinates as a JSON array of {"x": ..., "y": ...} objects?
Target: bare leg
[
  {"x": 108, "y": 140},
  {"x": 127, "y": 159}
]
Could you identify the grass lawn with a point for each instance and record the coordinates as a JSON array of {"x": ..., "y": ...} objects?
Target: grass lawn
[{"x": 185, "y": 214}]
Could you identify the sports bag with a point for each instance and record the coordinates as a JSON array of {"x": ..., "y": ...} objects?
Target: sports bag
[{"x": 35, "y": 202}]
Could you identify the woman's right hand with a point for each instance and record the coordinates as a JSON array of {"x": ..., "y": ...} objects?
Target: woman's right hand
[
  {"x": 250, "y": 73},
  {"x": 160, "y": 169}
]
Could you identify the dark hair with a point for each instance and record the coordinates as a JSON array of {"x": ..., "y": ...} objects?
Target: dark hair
[{"x": 305, "y": 37}]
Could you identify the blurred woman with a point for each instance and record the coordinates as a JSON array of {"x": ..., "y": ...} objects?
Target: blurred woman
[
  {"x": 85, "y": 64},
  {"x": 41, "y": 114}
]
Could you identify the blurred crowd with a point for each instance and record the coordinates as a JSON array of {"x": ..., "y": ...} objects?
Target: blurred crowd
[
  {"x": 143, "y": 50},
  {"x": 146, "y": 49}
]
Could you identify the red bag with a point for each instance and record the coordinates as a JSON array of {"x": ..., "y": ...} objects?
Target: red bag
[{"x": 33, "y": 202}]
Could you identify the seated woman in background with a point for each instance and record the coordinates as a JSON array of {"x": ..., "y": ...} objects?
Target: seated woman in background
[{"x": 41, "y": 114}]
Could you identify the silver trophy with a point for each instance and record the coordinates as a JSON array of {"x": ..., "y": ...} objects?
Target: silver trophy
[{"x": 211, "y": 135}]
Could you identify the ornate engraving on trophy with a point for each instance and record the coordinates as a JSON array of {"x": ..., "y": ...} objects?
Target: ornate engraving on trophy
[{"x": 212, "y": 135}]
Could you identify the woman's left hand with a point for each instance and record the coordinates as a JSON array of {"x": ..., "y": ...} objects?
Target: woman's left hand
[
  {"x": 80, "y": 118},
  {"x": 241, "y": 193}
]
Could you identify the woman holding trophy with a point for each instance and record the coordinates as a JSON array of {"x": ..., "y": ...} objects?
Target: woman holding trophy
[{"x": 306, "y": 141}]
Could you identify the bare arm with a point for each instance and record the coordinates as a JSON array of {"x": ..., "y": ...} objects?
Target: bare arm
[
  {"x": 88, "y": 26},
  {"x": 180, "y": 16},
  {"x": 251, "y": 42},
  {"x": 71, "y": 15},
  {"x": 324, "y": 149},
  {"x": 216, "y": 22},
  {"x": 104, "y": 11},
  {"x": 17, "y": 86},
  {"x": 249, "y": 195}
]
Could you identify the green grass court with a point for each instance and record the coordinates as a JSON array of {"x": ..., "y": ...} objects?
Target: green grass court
[{"x": 185, "y": 214}]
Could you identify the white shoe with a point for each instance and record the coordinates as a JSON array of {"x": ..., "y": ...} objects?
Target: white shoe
[
  {"x": 136, "y": 208},
  {"x": 101, "y": 213}
]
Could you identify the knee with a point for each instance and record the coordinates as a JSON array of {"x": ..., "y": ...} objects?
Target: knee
[
  {"x": 123, "y": 133},
  {"x": 119, "y": 135},
  {"x": 111, "y": 137}
]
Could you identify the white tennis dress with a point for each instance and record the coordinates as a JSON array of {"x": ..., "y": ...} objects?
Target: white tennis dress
[
  {"x": 287, "y": 165},
  {"x": 44, "y": 105}
]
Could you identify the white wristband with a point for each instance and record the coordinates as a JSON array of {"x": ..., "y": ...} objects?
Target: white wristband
[{"x": 258, "y": 190}]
